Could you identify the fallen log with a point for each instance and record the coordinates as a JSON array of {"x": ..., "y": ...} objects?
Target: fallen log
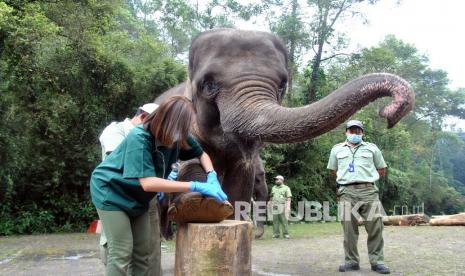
[
  {"x": 451, "y": 220},
  {"x": 406, "y": 220}
]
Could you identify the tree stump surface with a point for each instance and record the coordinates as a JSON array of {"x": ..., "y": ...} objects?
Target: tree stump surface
[{"x": 222, "y": 248}]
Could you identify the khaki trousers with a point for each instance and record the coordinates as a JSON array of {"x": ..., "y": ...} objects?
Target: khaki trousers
[
  {"x": 127, "y": 242},
  {"x": 279, "y": 219},
  {"x": 366, "y": 200},
  {"x": 152, "y": 237}
]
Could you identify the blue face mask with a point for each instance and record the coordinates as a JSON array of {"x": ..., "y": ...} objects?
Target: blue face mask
[{"x": 354, "y": 138}]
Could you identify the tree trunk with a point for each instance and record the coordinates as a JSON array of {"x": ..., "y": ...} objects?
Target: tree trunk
[
  {"x": 222, "y": 248},
  {"x": 313, "y": 86},
  {"x": 452, "y": 220},
  {"x": 406, "y": 220},
  {"x": 292, "y": 46}
]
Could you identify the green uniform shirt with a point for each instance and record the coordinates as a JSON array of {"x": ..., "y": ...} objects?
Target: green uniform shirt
[
  {"x": 280, "y": 194},
  {"x": 366, "y": 158},
  {"x": 114, "y": 184}
]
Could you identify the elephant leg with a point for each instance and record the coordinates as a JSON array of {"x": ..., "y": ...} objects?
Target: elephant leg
[
  {"x": 238, "y": 183},
  {"x": 165, "y": 224},
  {"x": 260, "y": 193},
  {"x": 191, "y": 171},
  {"x": 188, "y": 171},
  {"x": 155, "y": 242}
]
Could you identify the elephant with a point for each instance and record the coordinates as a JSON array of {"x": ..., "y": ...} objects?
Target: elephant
[
  {"x": 190, "y": 172},
  {"x": 237, "y": 80}
]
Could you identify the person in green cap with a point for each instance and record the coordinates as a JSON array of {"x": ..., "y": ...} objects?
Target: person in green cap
[
  {"x": 357, "y": 165},
  {"x": 127, "y": 180},
  {"x": 281, "y": 206}
]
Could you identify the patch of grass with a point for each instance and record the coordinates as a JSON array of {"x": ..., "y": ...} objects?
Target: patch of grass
[{"x": 307, "y": 230}]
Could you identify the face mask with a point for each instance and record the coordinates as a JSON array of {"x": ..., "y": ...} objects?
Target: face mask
[{"x": 354, "y": 138}]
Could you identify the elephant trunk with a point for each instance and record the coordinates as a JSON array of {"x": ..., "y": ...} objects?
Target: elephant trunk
[{"x": 259, "y": 116}]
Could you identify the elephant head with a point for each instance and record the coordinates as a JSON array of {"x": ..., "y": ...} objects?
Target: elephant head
[{"x": 238, "y": 79}]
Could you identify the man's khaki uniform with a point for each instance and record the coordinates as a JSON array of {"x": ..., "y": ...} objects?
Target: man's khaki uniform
[
  {"x": 356, "y": 173},
  {"x": 279, "y": 198}
]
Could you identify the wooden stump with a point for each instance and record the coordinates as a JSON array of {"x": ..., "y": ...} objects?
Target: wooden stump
[{"x": 222, "y": 248}]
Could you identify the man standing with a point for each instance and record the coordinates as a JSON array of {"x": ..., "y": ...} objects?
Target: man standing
[
  {"x": 357, "y": 165},
  {"x": 281, "y": 204},
  {"x": 110, "y": 139}
]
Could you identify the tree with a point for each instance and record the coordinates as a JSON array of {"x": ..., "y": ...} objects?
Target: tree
[
  {"x": 179, "y": 21},
  {"x": 68, "y": 69},
  {"x": 291, "y": 29},
  {"x": 328, "y": 13}
]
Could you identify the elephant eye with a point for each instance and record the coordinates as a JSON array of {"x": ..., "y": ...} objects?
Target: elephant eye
[
  {"x": 282, "y": 88},
  {"x": 210, "y": 88}
]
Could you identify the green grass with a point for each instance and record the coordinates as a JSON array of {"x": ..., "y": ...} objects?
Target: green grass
[{"x": 307, "y": 230}]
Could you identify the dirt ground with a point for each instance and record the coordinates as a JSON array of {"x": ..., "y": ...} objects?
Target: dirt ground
[{"x": 314, "y": 249}]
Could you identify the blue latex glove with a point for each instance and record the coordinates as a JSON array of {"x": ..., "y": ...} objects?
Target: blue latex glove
[
  {"x": 173, "y": 175},
  {"x": 212, "y": 178},
  {"x": 160, "y": 196},
  {"x": 208, "y": 189}
]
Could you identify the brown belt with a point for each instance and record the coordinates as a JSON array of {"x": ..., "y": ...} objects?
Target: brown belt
[{"x": 359, "y": 185}]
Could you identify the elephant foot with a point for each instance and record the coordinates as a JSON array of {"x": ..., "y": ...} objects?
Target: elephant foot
[
  {"x": 259, "y": 231},
  {"x": 193, "y": 207}
]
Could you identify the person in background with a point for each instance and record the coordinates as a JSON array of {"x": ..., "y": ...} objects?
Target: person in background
[
  {"x": 281, "y": 204},
  {"x": 110, "y": 138},
  {"x": 357, "y": 165},
  {"x": 114, "y": 133},
  {"x": 128, "y": 179}
]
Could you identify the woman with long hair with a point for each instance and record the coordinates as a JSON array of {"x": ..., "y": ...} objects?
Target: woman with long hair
[{"x": 125, "y": 182}]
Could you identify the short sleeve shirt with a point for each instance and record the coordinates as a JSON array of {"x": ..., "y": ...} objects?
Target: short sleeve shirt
[
  {"x": 115, "y": 185},
  {"x": 113, "y": 135},
  {"x": 280, "y": 194},
  {"x": 366, "y": 159}
]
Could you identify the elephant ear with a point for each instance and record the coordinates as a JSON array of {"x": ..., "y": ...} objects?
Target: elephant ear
[
  {"x": 188, "y": 89},
  {"x": 193, "y": 207}
]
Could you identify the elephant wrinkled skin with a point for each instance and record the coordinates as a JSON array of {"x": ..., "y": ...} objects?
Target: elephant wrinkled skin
[{"x": 237, "y": 81}]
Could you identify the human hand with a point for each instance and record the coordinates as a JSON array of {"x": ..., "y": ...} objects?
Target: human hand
[
  {"x": 173, "y": 175},
  {"x": 208, "y": 189},
  {"x": 212, "y": 177}
]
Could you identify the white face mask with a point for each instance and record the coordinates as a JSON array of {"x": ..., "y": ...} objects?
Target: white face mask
[{"x": 354, "y": 138}]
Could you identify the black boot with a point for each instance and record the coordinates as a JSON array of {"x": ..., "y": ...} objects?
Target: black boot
[
  {"x": 381, "y": 269},
  {"x": 348, "y": 267}
]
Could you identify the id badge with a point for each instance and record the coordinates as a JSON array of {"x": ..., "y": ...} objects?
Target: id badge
[{"x": 351, "y": 167}]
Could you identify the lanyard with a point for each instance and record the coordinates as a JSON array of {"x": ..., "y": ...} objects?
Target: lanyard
[{"x": 353, "y": 153}]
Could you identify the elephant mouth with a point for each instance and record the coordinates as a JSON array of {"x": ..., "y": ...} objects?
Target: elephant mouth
[{"x": 256, "y": 113}]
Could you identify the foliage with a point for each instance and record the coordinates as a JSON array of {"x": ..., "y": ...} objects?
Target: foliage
[
  {"x": 68, "y": 69},
  {"x": 424, "y": 162}
]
